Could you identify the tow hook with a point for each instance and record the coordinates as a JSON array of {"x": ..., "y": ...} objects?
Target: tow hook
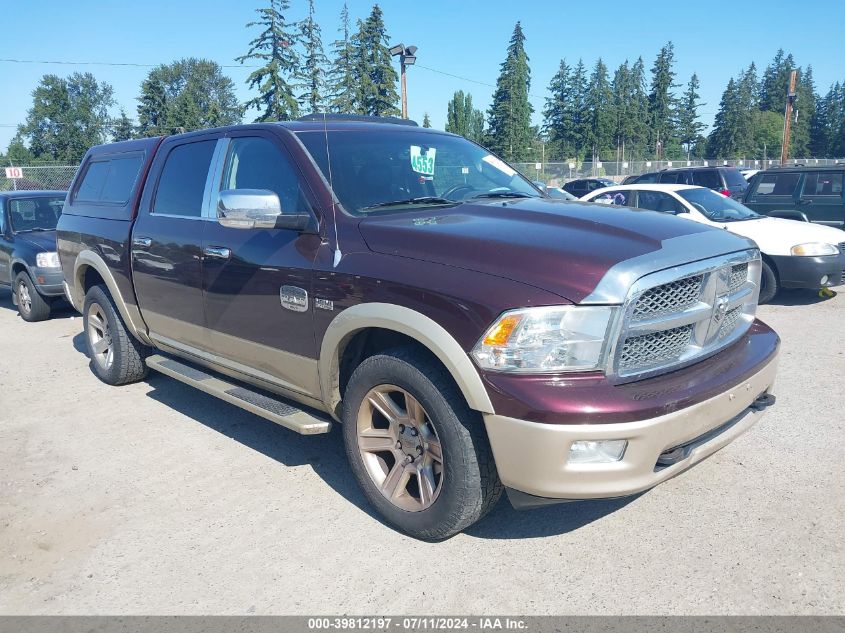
[{"x": 763, "y": 401}]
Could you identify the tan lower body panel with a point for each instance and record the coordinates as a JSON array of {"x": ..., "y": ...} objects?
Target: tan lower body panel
[{"x": 532, "y": 457}]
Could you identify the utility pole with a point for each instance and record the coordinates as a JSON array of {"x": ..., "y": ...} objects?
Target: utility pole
[
  {"x": 407, "y": 57},
  {"x": 787, "y": 117}
]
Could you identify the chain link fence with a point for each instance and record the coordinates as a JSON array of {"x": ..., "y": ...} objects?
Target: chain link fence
[
  {"x": 557, "y": 173},
  {"x": 28, "y": 178}
]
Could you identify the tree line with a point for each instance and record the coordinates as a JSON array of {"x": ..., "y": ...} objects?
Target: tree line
[{"x": 589, "y": 114}]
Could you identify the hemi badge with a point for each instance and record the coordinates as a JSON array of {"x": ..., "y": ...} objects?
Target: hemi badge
[{"x": 323, "y": 304}]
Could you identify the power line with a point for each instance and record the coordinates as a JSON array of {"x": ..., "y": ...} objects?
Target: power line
[{"x": 133, "y": 64}]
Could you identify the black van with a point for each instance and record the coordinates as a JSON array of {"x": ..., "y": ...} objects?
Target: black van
[{"x": 814, "y": 194}]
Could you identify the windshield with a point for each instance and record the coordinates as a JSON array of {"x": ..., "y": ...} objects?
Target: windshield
[
  {"x": 717, "y": 207},
  {"x": 35, "y": 214},
  {"x": 391, "y": 171}
]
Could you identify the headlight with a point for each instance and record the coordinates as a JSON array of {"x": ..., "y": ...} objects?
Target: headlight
[
  {"x": 814, "y": 249},
  {"x": 544, "y": 340},
  {"x": 47, "y": 260}
]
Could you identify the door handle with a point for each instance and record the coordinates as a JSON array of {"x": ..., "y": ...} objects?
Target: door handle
[
  {"x": 142, "y": 242},
  {"x": 218, "y": 252}
]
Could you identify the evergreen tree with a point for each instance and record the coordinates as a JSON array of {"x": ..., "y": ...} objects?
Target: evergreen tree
[
  {"x": 557, "y": 114},
  {"x": 68, "y": 115},
  {"x": 723, "y": 139},
  {"x": 509, "y": 117},
  {"x": 188, "y": 94},
  {"x": 747, "y": 97},
  {"x": 601, "y": 114},
  {"x": 775, "y": 82},
  {"x": 581, "y": 120},
  {"x": 462, "y": 118},
  {"x": 342, "y": 84},
  {"x": 804, "y": 113},
  {"x": 426, "y": 120},
  {"x": 639, "y": 111},
  {"x": 661, "y": 100},
  {"x": 123, "y": 128},
  {"x": 275, "y": 48},
  {"x": 376, "y": 78},
  {"x": 689, "y": 125},
  {"x": 829, "y": 126},
  {"x": 314, "y": 63}
]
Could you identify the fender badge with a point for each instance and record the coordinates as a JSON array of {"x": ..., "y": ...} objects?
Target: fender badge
[{"x": 323, "y": 304}]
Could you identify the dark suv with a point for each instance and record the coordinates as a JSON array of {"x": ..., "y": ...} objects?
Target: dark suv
[
  {"x": 814, "y": 194},
  {"x": 469, "y": 333},
  {"x": 583, "y": 186},
  {"x": 726, "y": 180},
  {"x": 29, "y": 264}
]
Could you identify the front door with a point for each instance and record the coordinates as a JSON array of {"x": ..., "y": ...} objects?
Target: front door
[
  {"x": 257, "y": 282},
  {"x": 5, "y": 247},
  {"x": 822, "y": 197},
  {"x": 167, "y": 245}
]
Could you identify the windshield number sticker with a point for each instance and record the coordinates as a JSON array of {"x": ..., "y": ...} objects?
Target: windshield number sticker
[{"x": 422, "y": 162}]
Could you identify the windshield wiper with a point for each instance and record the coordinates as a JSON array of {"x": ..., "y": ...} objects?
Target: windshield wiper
[
  {"x": 420, "y": 200},
  {"x": 504, "y": 194}
]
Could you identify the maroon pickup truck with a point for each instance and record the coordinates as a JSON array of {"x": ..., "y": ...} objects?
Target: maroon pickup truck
[{"x": 471, "y": 334}]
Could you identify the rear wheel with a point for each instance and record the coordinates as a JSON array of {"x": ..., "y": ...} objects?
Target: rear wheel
[
  {"x": 769, "y": 285},
  {"x": 31, "y": 305},
  {"x": 419, "y": 453},
  {"x": 117, "y": 358}
]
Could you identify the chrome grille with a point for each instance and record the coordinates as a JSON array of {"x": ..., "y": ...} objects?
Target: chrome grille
[
  {"x": 668, "y": 298},
  {"x": 739, "y": 275},
  {"x": 654, "y": 348},
  {"x": 676, "y": 316}
]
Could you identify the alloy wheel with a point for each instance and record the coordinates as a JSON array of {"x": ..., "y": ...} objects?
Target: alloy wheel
[
  {"x": 99, "y": 337},
  {"x": 400, "y": 448},
  {"x": 24, "y": 298}
]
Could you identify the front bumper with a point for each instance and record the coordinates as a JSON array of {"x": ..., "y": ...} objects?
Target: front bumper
[
  {"x": 49, "y": 281},
  {"x": 807, "y": 272},
  {"x": 531, "y": 457}
]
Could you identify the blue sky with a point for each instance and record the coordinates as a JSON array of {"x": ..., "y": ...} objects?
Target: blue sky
[{"x": 714, "y": 39}]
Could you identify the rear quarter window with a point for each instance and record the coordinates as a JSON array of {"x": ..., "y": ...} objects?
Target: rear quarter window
[
  {"x": 707, "y": 178},
  {"x": 777, "y": 184},
  {"x": 733, "y": 178}
]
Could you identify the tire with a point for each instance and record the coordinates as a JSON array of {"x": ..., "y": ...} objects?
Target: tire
[
  {"x": 31, "y": 305},
  {"x": 769, "y": 285},
  {"x": 117, "y": 357},
  {"x": 467, "y": 486}
]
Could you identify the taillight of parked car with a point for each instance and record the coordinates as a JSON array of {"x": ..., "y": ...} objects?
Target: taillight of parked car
[{"x": 725, "y": 192}]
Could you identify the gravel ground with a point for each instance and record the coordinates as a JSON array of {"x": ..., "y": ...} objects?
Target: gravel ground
[{"x": 158, "y": 499}]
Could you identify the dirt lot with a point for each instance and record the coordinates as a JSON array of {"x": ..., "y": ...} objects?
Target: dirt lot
[{"x": 156, "y": 498}]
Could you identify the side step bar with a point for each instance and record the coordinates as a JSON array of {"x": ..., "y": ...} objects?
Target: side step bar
[{"x": 278, "y": 411}]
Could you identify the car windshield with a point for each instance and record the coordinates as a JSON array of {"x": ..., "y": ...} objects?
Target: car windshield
[
  {"x": 717, "y": 207},
  {"x": 388, "y": 171},
  {"x": 35, "y": 214}
]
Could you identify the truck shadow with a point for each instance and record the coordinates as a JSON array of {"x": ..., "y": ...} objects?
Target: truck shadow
[
  {"x": 61, "y": 308},
  {"x": 325, "y": 454},
  {"x": 800, "y": 297}
]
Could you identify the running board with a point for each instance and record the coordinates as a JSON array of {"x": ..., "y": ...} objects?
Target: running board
[{"x": 278, "y": 411}]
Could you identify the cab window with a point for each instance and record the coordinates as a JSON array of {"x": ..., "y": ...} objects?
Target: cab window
[
  {"x": 777, "y": 184},
  {"x": 256, "y": 163},
  {"x": 182, "y": 183}
]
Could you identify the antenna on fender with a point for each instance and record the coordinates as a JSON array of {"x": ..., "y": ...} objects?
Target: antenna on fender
[{"x": 338, "y": 255}]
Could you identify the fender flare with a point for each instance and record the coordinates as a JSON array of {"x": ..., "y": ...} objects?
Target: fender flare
[
  {"x": 131, "y": 315},
  {"x": 411, "y": 323}
]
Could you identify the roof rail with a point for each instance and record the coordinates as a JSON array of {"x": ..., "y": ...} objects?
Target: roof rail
[{"x": 357, "y": 117}]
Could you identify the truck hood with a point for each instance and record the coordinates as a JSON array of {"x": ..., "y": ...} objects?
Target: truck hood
[
  {"x": 776, "y": 236},
  {"x": 41, "y": 240},
  {"x": 559, "y": 246}
]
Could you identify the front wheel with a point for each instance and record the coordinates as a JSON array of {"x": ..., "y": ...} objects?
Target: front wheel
[
  {"x": 768, "y": 283},
  {"x": 117, "y": 358},
  {"x": 31, "y": 305},
  {"x": 419, "y": 453}
]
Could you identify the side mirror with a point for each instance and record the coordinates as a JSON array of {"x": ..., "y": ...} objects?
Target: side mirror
[{"x": 256, "y": 209}]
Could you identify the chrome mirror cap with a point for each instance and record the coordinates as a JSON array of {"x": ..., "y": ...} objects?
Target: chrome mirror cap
[{"x": 248, "y": 208}]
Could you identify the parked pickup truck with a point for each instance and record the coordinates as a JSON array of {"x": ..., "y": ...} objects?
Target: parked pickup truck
[{"x": 470, "y": 334}]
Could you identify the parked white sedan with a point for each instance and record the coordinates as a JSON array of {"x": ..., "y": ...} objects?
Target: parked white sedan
[{"x": 795, "y": 254}]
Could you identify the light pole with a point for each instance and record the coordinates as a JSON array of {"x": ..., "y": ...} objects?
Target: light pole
[{"x": 407, "y": 57}]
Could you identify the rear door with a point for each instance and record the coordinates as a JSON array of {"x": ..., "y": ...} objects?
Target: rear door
[
  {"x": 257, "y": 282},
  {"x": 822, "y": 197},
  {"x": 774, "y": 191},
  {"x": 167, "y": 243}
]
